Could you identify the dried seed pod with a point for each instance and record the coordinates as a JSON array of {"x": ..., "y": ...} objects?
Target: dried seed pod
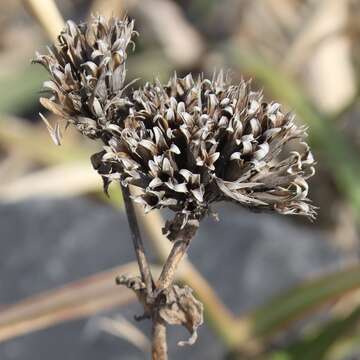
[
  {"x": 191, "y": 143},
  {"x": 87, "y": 70}
]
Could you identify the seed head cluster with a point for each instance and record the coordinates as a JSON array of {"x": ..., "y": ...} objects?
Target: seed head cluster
[
  {"x": 87, "y": 74},
  {"x": 186, "y": 144}
]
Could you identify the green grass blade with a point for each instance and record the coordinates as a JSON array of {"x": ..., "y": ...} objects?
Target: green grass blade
[
  {"x": 298, "y": 302},
  {"x": 318, "y": 345},
  {"x": 21, "y": 89}
]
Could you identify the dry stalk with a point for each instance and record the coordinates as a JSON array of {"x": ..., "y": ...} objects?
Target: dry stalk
[
  {"x": 177, "y": 253},
  {"x": 47, "y": 15},
  {"x": 231, "y": 329},
  {"x": 159, "y": 343},
  {"x": 181, "y": 42},
  {"x": 155, "y": 297},
  {"x": 144, "y": 267},
  {"x": 108, "y": 8}
]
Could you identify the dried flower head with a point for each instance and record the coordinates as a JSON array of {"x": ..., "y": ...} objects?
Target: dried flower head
[
  {"x": 187, "y": 144},
  {"x": 87, "y": 71},
  {"x": 191, "y": 143}
]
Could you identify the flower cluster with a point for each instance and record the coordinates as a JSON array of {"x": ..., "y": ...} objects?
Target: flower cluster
[
  {"x": 186, "y": 144},
  {"x": 191, "y": 143},
  {"x": 87, "y": 71}
]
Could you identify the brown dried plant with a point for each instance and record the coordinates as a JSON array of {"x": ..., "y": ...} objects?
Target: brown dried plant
[{"x": 186, "y": 145}]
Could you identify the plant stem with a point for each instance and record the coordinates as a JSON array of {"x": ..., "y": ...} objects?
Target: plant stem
[
  {"x": 137, "y": 241},
  {"x": 172, "y": 262},
  {"x": 47, "y": 15},
  {"x": 222, "y": 320},
  {"x": 159, "y": 344},
  {"x": 108, "y": 8}
]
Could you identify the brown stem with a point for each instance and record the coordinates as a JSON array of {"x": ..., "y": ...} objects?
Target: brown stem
[
  {"x": 159, "y": 344},
  {"x": 138, "y": 244},
  {"x": 220, "y": 318},
  {"x": 168, "y": 272}
]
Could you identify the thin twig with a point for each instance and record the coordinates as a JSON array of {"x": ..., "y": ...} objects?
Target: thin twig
[
  {"x": 164, "y": 285},
  {"x": 159, "y": 342},
  {"x": 137, "y": 241},
  {"x": 221, "y": 318}
]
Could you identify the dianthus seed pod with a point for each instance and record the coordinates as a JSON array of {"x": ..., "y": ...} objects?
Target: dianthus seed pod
[
  {"x": 192, "y": 143},
  {"x": 87, "y": 74}
]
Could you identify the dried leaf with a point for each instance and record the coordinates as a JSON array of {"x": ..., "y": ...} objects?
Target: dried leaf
[{"x": 181, "y": 308}]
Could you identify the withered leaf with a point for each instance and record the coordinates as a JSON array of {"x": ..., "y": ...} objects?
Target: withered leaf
[{"x": 182, "y": 308}]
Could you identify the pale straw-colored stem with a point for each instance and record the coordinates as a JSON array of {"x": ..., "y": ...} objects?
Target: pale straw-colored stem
[
  {"x": 107, "y": 8},
  {"x": 47, "y": 15}
]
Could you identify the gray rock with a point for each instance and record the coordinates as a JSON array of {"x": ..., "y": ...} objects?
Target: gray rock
[{"x": 44, "y": 243}]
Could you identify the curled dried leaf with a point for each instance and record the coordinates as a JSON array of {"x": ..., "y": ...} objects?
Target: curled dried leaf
[{"x": 182, "y": 308}]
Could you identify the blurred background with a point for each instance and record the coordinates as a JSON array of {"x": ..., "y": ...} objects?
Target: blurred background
[{"x": 294, "y": 283}]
